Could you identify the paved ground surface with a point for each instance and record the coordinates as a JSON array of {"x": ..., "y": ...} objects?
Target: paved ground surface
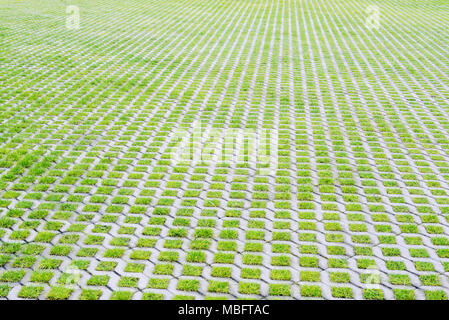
[{"x": 128, "y": 167}]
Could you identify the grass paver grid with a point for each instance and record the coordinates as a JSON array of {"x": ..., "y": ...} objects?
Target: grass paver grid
[{"x": 94, "y": 205}]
